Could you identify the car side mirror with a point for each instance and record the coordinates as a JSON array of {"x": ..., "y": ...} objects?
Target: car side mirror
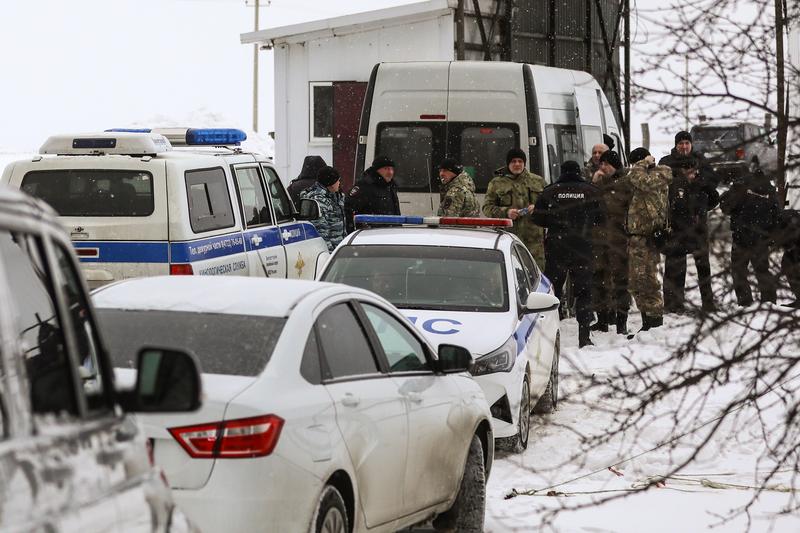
[
  {"x": 539, "y": 302},
  {"x": 167, "y": 381},
  {"x": 454, "y": 359},
  {"x": 309, "y": 209}
]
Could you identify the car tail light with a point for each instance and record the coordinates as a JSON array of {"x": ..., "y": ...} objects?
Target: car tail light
[
  {"x": 230, "y": 439},
  {"x": 180, "y": 269},
  {"x": 740, "y": 153}
]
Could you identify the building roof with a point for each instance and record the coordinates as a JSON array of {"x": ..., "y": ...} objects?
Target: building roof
[{"x": 357, "y": 22}]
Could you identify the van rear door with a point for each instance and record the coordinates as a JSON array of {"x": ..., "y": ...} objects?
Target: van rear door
[
  {"x": 589, "y": 118},
  {"x": 114, "y": 208}
]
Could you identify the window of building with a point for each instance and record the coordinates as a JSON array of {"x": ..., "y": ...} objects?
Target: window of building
[
  {"x": 321, "y": 111},
  {"x": 209, "y": 200}
]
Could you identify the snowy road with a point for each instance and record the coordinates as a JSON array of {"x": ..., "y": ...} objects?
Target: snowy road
[{"x": 731, "y": 458}]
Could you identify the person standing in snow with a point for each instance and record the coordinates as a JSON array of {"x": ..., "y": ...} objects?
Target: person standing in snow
[
  {"x": 752, "y": 204},
  {"x": 375, "y": 193},
  {"x": 682, "y": 155},
  {"x": 570, "y": 209},
  {"x": 610, "y": 297},
  {"x": 307, "y": 177},
  {"x": 647, "y": 218},
  {"x": 457, "y": 192},
  {"x": 514, "y": 188},
  {"x": 326, "y": 193},
  {"x": 593, "y": 164}
]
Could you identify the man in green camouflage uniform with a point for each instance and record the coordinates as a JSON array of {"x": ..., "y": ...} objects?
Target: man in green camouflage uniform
[
  {"x": 457, "y": 192},
  {"x": 647, "y": 213},
  {"x": 610, "y": 297},
  {"x": 514, "y": 188}
]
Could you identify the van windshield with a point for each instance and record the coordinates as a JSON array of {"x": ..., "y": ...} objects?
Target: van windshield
[
  {"x": 237, "y": 345},
  {"x": 425, "y": 277},
  {"x": 93, "y": 193}
]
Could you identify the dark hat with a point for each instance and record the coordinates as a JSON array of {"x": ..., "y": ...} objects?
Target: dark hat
[
  {"x": 637, "y": 155},
  {"x": 382, "y": 161},
  {"x": 451, "y": 165},
  {"x": 612, "y": 158},
  {"x": 571, "y": 167},
  {"x": 608, "y": 140},
  {"x": 515, "y": 153},
  {"x": 311, "y": 165},
  {"x": 682, "y": 136},
  {"x": 327, "y": 176}
]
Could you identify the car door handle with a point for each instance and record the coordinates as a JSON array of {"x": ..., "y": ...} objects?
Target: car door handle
[
  {"x": 414, "y": 397},
  {"x": 350, "y": 401}
]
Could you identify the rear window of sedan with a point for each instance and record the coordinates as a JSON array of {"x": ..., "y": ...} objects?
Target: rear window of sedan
[{"x": 239, "y": 345}]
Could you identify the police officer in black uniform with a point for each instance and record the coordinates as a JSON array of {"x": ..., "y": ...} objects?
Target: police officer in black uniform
[
  {"x": 375, "y": 193},
  {"x": 569, "y": 209}
]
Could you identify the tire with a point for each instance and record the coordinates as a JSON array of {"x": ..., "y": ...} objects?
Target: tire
[
  {"x": 469, "y": 510},
  {"x": 519, "y": 442},
  {"x": 331, "y": 515},
  {"x": 548, "y": 402}
]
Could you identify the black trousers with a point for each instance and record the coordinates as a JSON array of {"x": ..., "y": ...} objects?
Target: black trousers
[
  {"x": 790, "y": 267},
  {"x": 675, "y": 279},
  {"x": 562, "y": 263},
  {"x": 758, "y": 256}
]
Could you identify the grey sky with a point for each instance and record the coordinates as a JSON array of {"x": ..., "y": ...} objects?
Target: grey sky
[{"x": 88, "y": 65}]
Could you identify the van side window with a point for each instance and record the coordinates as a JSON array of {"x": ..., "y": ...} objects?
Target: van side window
[
  {"x": 280, "y": 199},
  {"x": 414, "y": 145},
  {"x": 209, "y": 200},
  {"x": 564, "y": 140},
  {"x": 37, "y": 325},
  {"x": 483, "y": 149},
  {"x": 85, "y": 334},
  {"x": 254, "y": 202}
]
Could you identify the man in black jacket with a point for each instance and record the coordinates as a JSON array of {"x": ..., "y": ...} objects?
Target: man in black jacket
[
  {"x": 690, "y": 200},
  {"x": 375, "y": 193},
  {"x": 682, "y": 154},
  {"x": 752, "y": 204},
  {"x": 787, "y": 237},
  {"x": 570, "y": 209},
  {"x": 312, "y": 164}
]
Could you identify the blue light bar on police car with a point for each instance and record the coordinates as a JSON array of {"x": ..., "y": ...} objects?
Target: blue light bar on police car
[
  {"x": 400, "y": 220},
  {"x": 214, "y": 136}
]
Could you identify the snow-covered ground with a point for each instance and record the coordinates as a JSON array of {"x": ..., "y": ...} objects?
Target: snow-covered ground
[{"x": 736, "y": 456}]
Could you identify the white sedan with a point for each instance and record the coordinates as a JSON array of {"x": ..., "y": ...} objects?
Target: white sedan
[
  {"x": 324, "y": 411},
  {"x": 468, "y": 282}
]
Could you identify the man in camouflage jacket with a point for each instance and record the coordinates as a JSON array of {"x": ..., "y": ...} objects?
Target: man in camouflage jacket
[
  {"x": 325, "y": 191},
  {"x": 514, "y": 188},
  {"x": 457, "y": 192},
  {"x": 648, "y": 212}
]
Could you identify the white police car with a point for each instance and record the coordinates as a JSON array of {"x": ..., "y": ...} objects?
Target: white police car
[
  {"x": 465, "y": 281},
  {"x": 134, "y": 206}
]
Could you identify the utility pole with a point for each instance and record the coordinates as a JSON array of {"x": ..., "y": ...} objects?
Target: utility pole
[
  {"x": 257, "y": 5},
  {"x": 627, "y": 30},
  {"x": 782, "y": 104},
  {"x": 686, "y": 93}
]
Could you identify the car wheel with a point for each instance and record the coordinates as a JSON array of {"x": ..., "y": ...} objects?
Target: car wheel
[
  {"x": 519, "y": 442},
  {"x": 468, "y": 511},
  {"x": 549, "y": 400},
  {"x": 331, "y": 516}
]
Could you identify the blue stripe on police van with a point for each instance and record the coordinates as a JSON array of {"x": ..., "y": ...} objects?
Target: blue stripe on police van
[
  {"x": 260, "y": 238},
  {"x": 311, "y": 231},
  {"x": 200, "y": 250},
  {"x": 292, "y": 233},
  {"x": 125, "y": 251}
]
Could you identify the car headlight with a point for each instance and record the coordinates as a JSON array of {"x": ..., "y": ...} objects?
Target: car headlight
[{"x": 500, "y": 360}]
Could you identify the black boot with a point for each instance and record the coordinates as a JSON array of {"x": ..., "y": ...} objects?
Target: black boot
[
  {"x": 622, "y": 323},
  {"x": 646, "y": 324},
  {"x": 656, "y": 321},
  {"x": 583, "y": 336},
  {"x": 602, "y": 321}
]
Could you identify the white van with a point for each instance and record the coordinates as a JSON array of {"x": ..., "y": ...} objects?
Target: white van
[
  {"x": 418, "y": 113},
  {"x": 134, "y": 206}
]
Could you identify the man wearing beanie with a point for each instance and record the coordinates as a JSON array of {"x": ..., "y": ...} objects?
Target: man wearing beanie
[
  {"x": 375, "y": 193},
  {"x": 514, "y": 188},
  {"x": 610, "y": 297},
  {"x": 682, "y": 154},
  {"x": 571, "y": 209},
  {"x": 457, "y": 191},
  {"x": 647, "y": 219},
  {"x": 326, "y": 193}
]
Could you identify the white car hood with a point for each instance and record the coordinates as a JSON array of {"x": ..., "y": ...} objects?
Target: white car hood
[{"x": 480, "y": 333}]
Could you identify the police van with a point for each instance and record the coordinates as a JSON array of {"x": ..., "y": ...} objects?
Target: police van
[
  {"x": 418, "y": 113},
  {"x": 172, "y": 201}
]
